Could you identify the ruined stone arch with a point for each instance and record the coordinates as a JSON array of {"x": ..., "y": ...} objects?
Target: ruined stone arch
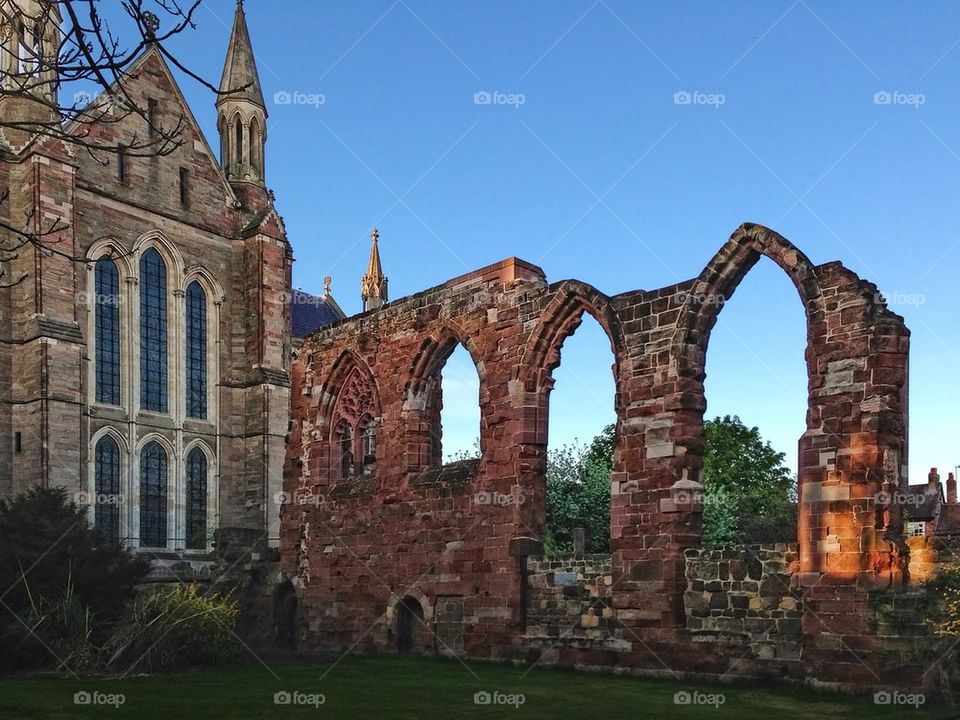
[
  {"x": 854, "y": 443},
  {"x": 701, "y": 304},
  {"x": 421, "y": 395},
  {"x": 541, "y": 355}
]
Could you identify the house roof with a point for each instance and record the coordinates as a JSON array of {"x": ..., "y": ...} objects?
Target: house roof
[
  {"x": 311, "y": 312},
  {"x": 922, "y": 504},
  {"x": 949, "y": 521}
]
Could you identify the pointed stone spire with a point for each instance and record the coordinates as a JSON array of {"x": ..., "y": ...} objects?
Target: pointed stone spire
[
  {"x": 241, "y": 111},
  {"x": 373, "y": 287},
  {"x": 240, "y": 70}
]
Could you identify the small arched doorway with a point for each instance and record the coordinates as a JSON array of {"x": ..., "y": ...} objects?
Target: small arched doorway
[
  {"x": 285, "y": 614},
  {"x": 409, "y": 623}
]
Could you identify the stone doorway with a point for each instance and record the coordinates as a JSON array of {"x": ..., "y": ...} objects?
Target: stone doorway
[{"x": 409, "y": 622}]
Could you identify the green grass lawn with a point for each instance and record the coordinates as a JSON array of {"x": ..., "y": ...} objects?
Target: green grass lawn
[{"x": 391, "y": 687}]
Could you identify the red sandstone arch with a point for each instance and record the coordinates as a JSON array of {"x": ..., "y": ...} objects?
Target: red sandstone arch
[
  {"x": 855, "y": 437},
  {"x": 346, "y": 364},
  {"x": 420, "y": 393},
  {"x": 541, "y": 355}
]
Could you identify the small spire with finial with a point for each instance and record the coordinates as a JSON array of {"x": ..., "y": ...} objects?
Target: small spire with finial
[
  {"x": 326, "y": 286},
  {"x": 373, "y": 286}
]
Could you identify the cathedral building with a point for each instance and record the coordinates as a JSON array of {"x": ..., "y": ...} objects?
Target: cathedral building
[{"x": 146, "y": 336}]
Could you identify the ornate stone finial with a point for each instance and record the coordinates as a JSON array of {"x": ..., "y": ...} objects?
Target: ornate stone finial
[
  {"x": 373, "y": 286},
  {"x": 152, "y": 24},
  {"x": 326, "y": 286}
]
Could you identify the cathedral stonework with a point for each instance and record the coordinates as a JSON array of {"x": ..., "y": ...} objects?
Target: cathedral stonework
[{"x": 146, "y": 343}]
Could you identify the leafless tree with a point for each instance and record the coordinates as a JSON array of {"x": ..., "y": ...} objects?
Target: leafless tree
[{"x": 64, "y": 73}]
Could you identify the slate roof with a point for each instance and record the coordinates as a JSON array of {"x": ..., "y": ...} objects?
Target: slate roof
[
  {"x": 949, "y": 522},
  {"x": 312, "y": 312},
  {"x": 923, "y": 505}
]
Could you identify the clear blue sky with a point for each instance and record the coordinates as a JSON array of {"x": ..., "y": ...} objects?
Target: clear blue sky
[{"x": 600, "y": 175}]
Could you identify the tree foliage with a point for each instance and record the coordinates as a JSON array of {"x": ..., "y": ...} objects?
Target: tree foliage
[
  {"x": 749, "y": 494},
  {"x": 578, "y": 494}
]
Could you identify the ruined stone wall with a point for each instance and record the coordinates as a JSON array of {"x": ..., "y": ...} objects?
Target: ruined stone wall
[{"x": 360, "y": 538}]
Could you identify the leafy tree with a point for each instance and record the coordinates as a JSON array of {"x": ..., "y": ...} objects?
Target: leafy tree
[
  {"x": 750, "y": 495},
  {"x": 578, "y": 494}
]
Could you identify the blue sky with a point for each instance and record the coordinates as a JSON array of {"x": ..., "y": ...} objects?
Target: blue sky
[{"x": 588, "y": 167}]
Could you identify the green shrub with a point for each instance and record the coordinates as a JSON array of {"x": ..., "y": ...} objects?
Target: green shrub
[
  {"x": 174, "y": 628},
  {"x": 64, "y": 583}
]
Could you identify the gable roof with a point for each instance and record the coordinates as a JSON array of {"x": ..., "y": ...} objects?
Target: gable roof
[{"x": 152, "y": 53}]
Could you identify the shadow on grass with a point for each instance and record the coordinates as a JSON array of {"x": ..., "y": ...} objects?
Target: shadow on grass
[{"x": 423, "y": 689}]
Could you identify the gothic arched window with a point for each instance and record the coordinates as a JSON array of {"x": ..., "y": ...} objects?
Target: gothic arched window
[
  {"x": 238, "y": 139},
  {"x": 153, "y": 332},
  {"x": 196, "y": 369},
  {"x": 106, "y": 473},
  {"x": 254, "y": 140},
  {"x": 106, "y": 312},
  {"x": 153, "y": 495},
  {"x": 196, "y": 525},
  {"x": 345, "y": 449},
  {"x": 368, "y": 444}
]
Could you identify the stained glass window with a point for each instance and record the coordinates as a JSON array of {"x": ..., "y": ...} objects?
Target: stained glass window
[
  {"x": 153, "y": 495},
  {"x": 106, "y": 308},
  {"x": 107, "y": 487},
  {"x": 153, "y": 332},
  {"x": 196, "y": 500},
  {"x": 196, "y": 351}
]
